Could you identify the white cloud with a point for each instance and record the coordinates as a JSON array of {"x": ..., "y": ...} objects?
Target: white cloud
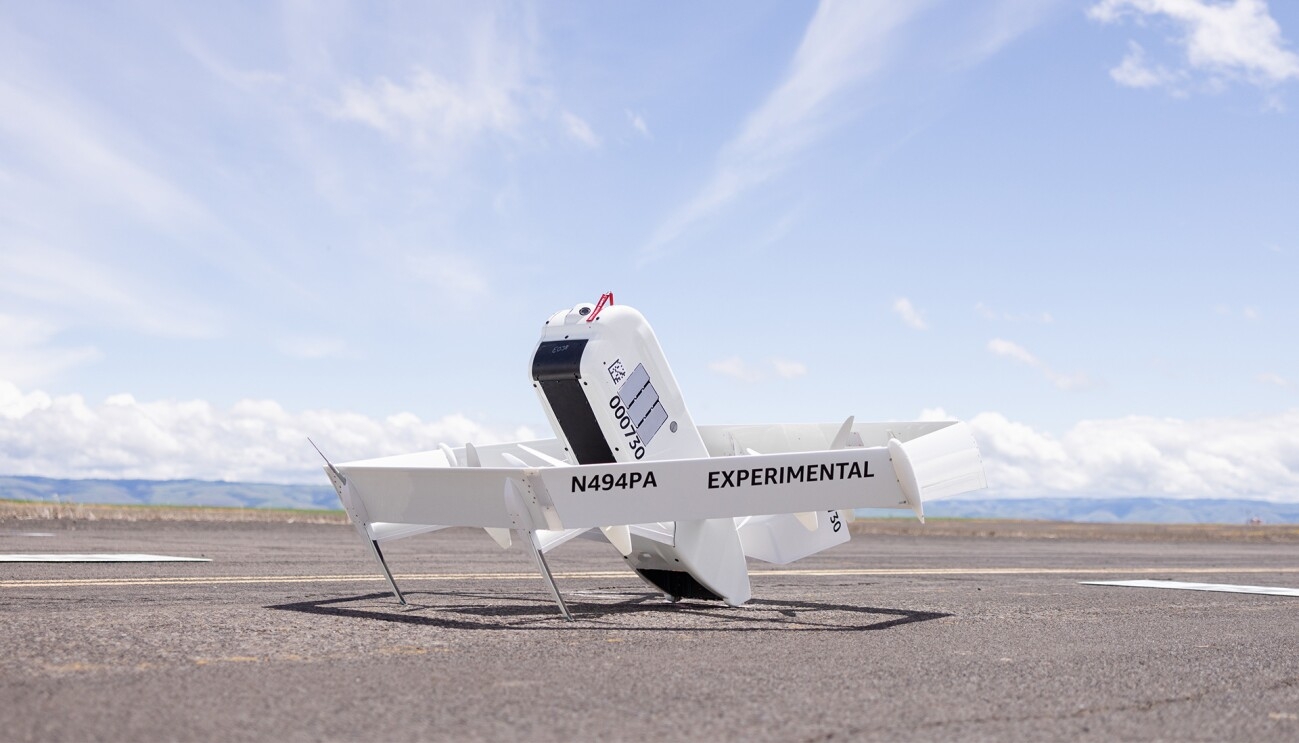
[
  {"x": 431, "y": 112},
  {"x": 1041, "y": 318},
  {"x": 1135, "y": 72},
  {"x": 786, "y": 369},
  {"x": 485, "y": 82},
  {"x": 1010, "y": 350},
  {"x": 1274, "y": 379},
  {"x": 1248, "y": 312},
  {"x": 260, "y": 441},
  {"x": 312, "y": 348},
  {"x": 737, "y": 368},
  {"x": 638, "y": 123},
  {"x": 1144, "y": 456},
  {"x": 1003, "y": 21},
  {"x": 1224, "y": 41},
  {"x": 247, "y": 80},
  {"x": 456, "y": 277},
  {"x": 579, "y": 130},
  {"x": 252, "y": 441},
  {"x": 909, "y": 314},
  {"x": 1013, "y": 351},
  {"x": 479, "y": 82}
]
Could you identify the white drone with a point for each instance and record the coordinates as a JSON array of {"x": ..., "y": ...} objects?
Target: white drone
[{"x": 683, "y": 504}]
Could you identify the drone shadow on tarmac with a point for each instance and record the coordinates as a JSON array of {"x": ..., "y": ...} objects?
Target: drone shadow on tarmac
[{"x": 629, "y": 611}]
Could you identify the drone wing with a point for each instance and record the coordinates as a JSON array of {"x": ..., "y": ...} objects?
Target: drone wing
[
  {"x": 532, "y": 489},
  {"x": 430, "y": 489}
]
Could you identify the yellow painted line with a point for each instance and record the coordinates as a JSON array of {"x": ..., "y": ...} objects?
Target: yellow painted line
[
  {"x": 270, "y": 579},
  {"x": 831, "y": 573},
  {"x": 1024, "y": 571}
]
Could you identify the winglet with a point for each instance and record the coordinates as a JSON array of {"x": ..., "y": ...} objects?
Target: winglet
[
  {"x": 906, "y": 475},
  {"x": 841, "y": 438},
  {"x": 341, "y": 481}
]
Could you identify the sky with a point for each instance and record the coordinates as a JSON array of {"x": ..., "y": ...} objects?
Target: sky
[{"x": 225, "y": 227}]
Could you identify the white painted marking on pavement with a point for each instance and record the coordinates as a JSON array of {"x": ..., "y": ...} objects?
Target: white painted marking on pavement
[
  {"x": 375, "y": 577},
  {"x": 97, "y": 557},
  {"x": 1219, "y": 587}
]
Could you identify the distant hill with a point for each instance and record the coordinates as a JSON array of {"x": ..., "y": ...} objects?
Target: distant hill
[
  {"x": 169, "y": 492},
  {"x": 1112, "y": 510},
  {"x": 264, "y": 495}
]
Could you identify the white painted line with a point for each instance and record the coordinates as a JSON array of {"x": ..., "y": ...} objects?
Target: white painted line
[
  {"x": 1220, "y": 587},
  {"x": 625, "y": 574},
  {"x": 100, "y": 557},
  {"x": 25, "y": 534}
]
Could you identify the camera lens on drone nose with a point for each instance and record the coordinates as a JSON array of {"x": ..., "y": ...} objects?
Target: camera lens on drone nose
[{"x": 584, "y": 311}]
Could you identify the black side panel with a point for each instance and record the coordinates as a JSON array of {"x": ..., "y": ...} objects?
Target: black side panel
[
  {"x": 557, "y": 367},
  {"x": 558, "y": 360},
  {"x": 679, "y": 583},
  {"x": 575, "y": 417}
]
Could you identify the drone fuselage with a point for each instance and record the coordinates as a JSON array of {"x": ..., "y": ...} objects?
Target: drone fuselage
[{"x": 610, "y": 396}]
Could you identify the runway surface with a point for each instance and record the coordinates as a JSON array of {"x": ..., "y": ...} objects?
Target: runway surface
[{"x": 289, "y": 634}]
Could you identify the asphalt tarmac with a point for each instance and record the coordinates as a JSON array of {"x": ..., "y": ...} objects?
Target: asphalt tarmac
[{"x": 289, "y": 634}]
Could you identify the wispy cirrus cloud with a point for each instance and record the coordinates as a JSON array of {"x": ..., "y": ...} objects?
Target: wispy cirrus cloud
[
  {"x": 638, "y": 123},
  {"x": 903, "y": 308},
  {"x": 1274, "y": 379},
  {"x": 788, "y": 369},
  {"x": 456, "y": 277},
  {"x": 735, "y": 368},
  {"x": 491, "y": 89},
  {"x": 1247, "y": 312},
  {"x": 313, "y": 347},
  {"x": 478, "y": 85},
  {"x": 579, "y": 130},
  {"x": 96, "y": 217},
  {"x": 992, "y": 313},
  {"x": 81, "y": 158},
  {"x": 51, "y": 281},
  {"x": 845, "y": 43},
  {"x": 1016, "y": 352},
  {"x": 1135, "y": 71},
  {"x": 745, "y": 371},
  {"x": 30, "y": 353},
  {"x": 430, "y": 112},
  {"x": 1219, "y": 43}
]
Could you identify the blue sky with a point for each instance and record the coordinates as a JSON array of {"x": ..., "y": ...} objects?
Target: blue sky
[{"x": 224, "y": 227}]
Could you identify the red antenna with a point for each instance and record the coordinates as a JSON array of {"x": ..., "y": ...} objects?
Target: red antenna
[{"x": 606, "y": 298}]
